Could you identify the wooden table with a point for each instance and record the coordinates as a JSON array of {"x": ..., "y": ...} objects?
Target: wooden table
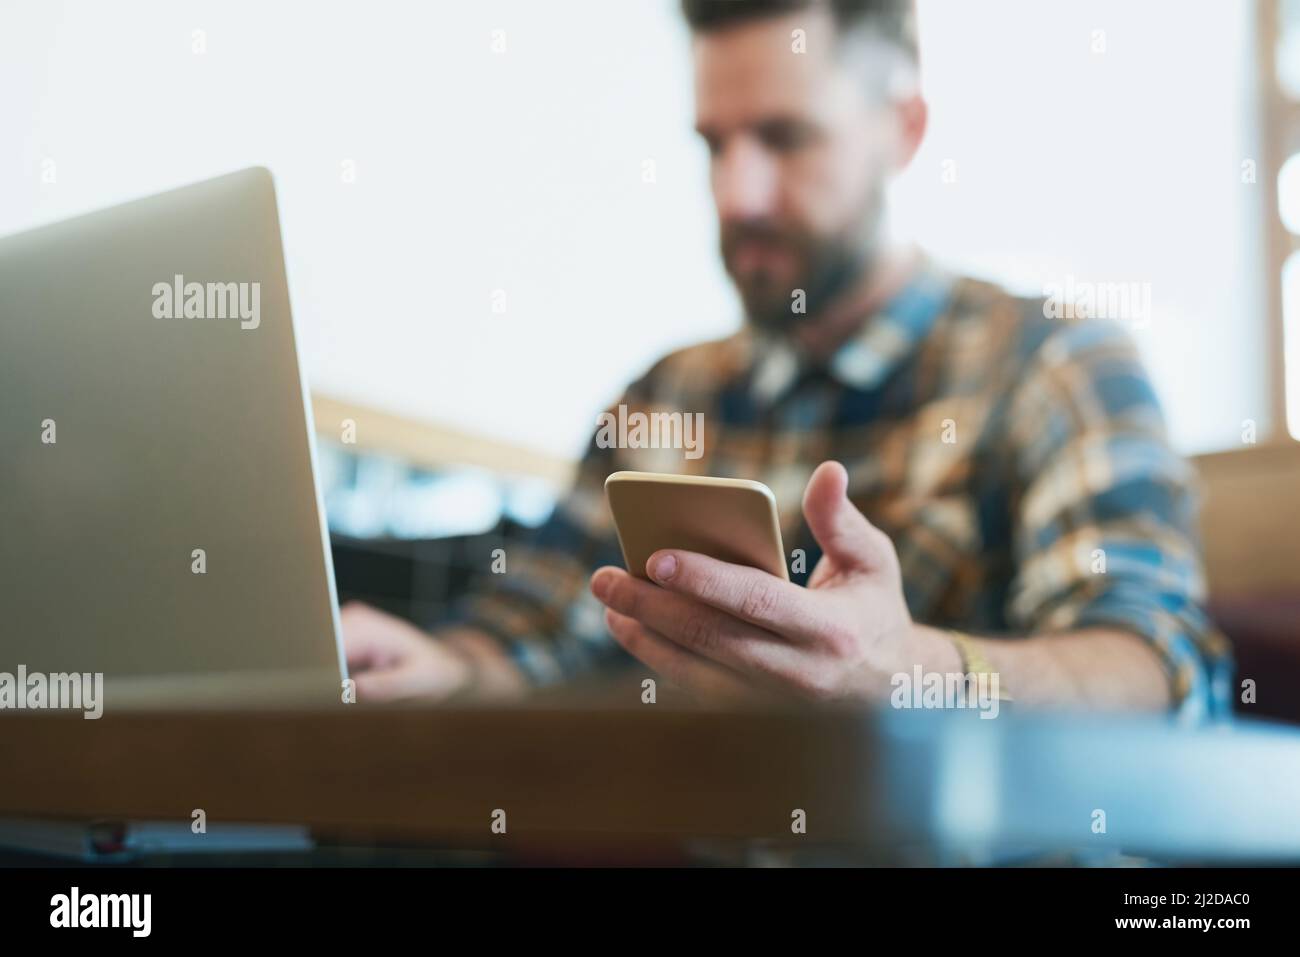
[{"x": 893, "y": 782}]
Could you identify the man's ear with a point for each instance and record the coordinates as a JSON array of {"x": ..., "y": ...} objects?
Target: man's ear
[{"x": 913, "y": 114}]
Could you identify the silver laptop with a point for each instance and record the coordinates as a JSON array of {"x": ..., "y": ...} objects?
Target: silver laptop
[{"x": 159, "y": 518}]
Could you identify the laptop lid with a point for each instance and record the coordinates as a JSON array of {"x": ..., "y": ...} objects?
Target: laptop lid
[{"x": 159, "y": 517}]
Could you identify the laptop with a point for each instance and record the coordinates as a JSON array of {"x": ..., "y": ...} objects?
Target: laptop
[{"x": 160, "y": 521}]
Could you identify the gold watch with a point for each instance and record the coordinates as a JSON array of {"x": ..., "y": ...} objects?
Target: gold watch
[{"x": 973, "y": 661}]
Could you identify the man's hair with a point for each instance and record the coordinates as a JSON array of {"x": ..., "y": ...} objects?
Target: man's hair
[{"x": 891, "y": 20}]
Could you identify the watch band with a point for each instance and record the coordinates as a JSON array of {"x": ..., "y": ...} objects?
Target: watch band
[{"x": 973, "y": 661}]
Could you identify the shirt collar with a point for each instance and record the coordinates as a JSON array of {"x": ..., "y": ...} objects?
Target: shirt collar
[{"x": 886, "y": 339}]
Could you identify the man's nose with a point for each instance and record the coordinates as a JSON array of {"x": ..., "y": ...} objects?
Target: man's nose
[{"x": 744, "y": 182}]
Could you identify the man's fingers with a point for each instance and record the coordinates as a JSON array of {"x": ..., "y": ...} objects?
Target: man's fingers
[
  {"x": 844, "y": 534},
  {"x": 747, "y": 593},
  {"x": 683, "y": 668},
  {"x": 426, "y": 678},
  {"x": 389, "y": 684},
  {"x": 697, "y": 627},
  {"x": 363, "y": 642}
]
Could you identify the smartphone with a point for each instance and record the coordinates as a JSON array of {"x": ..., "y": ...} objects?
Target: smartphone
[{"x": 733, "y": 520}]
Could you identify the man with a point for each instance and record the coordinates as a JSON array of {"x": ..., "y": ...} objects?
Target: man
[{"x": 1009, "y": 504}]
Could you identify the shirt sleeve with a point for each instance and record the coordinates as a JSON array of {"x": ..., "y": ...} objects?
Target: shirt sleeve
[
  {"x": 540, "y": 609},
  {"x": 1105, "y": 512}
]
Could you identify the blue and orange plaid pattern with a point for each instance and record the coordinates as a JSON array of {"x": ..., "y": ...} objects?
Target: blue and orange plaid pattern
[{"x": 1007, "y": 455}]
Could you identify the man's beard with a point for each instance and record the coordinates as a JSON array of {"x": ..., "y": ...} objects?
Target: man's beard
[{"x": 827, "y": 268}]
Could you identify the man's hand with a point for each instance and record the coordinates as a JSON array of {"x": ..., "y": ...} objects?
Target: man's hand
[
  {"x": 727, "y": 631},
  {"x": 723, "y": 630},
  {"x": 392, "y": 660}
]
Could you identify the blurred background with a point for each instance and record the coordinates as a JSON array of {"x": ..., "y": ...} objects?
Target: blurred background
[{"x": 496, "y": 215}]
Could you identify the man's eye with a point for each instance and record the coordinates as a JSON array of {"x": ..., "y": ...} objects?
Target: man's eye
[{"x": 785, "y": 137}]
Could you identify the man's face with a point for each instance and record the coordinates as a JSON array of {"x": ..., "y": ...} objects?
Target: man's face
[{"x": 800, "y": 148}]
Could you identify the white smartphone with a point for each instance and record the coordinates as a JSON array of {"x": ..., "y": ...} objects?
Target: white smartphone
[{"x": 733, "y": 520}]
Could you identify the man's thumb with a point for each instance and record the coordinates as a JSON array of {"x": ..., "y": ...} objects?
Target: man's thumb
[{"x": 844, "y": 534}]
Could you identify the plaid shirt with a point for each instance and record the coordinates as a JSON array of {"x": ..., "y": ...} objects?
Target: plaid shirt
[{"x": 1018, "y": 463}]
